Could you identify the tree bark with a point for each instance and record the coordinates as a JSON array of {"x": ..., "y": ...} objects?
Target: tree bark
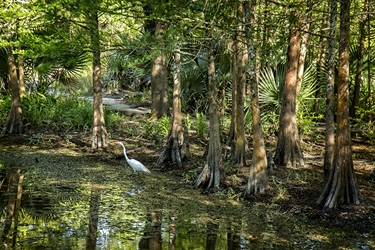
[
  {"x": 288, "y": 149},
  {"x": 21, "y": 73},
  {"x": 329, "y": 115},
  {"x": 14, "y": 123},
  {"x": 238, "y": 147},
  {"x": 320, "y": 63},
  {"x": 358, "y": 75},
  {"x": 210, "y": 175},
  {"x": 265, "y": 36},
  {"x": 341, "y": 187},
  {"x": 177, "y": 146},
  {"x": 257, "y": 182},
  {"x": 100, "y": 135},
  {"x": 304, "y": 46},
  {"x": 369, "y": 40},
  {"x": 159, "y": 77},
  {"x": 233, "y": 121}
]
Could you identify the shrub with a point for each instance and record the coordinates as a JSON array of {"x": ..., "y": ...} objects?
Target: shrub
[
  {"x": 157, "y": 130},
  {"x": 200, "y": 124}
]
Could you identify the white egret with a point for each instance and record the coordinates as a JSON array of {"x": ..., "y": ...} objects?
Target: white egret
[{"x": 136, "y": 165}]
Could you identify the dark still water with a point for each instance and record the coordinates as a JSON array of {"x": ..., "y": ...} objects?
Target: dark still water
[{"x": 63, "y": 199}]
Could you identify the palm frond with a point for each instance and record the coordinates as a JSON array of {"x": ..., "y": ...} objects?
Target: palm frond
[
  {"x": 62, "y": 69},
  {"x": 194, "y": 89},
  {"x": 271, "y": 82},
  {"x": 270, "y": 88},
  {"x": 309, "y": 83}
]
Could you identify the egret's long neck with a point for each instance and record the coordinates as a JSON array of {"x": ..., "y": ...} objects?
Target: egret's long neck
[{"x": 126, "y": 157}]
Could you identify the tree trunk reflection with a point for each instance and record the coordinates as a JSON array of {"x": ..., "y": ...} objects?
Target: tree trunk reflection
[
  {"x": 151, "y": 239},
  {"x": 233, "y": 237},
  {"x": 94, "y": 217},
  {"x": 212, "y": 229},
  {"x": 14, "y": 202},
  {"x": 172, "y": 230}
]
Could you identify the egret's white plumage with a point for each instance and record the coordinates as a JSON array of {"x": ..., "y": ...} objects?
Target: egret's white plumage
[{"x": 136, "y": 165}]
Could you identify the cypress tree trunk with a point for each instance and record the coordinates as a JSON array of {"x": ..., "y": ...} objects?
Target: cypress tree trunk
[
  {"x": 100, "y": 135},
  {"x": 320, "y": 60},
  {"x": 257, "y": 182},
  {"x": 369, "y": 40},
  {"x": 21, "y": 73},
  {"x": 341, "y": 187},
  {"x": 238, "y": 147},
  {"x": 159, "y": 78},
  {"x": 329, "y": 115},
  {"x": 233, "y": 121},
  {"x": 14, "y": 123},
  {"x": 358, "y": 75},
  {"x": 288, "y": 149},
  {"x": 210, "y": 175},
  {"x": 304, "y": 46},
  {"x": 177, "y": 147}
]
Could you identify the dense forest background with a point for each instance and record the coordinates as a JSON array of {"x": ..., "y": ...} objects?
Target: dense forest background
[{"x": 257, "y": 68}]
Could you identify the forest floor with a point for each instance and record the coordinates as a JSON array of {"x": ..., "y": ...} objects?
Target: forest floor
[{"x": 294, "y": 190}]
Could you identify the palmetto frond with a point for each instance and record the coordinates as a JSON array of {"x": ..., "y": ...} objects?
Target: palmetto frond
[
  {"x": 271, "y": 82},
  {"x": 62, "y": 69},
  {"x": 130, "y": 64},
  {"x": 308, "y": 88},
  {"x": 193, "y": 79}
]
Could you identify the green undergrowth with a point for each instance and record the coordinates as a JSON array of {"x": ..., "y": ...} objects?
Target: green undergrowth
[{"x": 56, "y": 111}]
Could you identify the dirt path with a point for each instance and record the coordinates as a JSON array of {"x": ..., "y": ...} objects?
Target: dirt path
[{"x": 117, "y": 103}]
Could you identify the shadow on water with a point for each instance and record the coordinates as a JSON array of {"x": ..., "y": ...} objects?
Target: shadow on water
[{"x": 74, "y": 201}]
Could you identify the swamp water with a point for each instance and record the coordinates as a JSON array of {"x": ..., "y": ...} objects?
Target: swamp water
[{"x": 69, "y": 200}]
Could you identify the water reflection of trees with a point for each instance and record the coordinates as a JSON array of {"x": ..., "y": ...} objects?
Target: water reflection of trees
[
  {"x": 163, "y": 226},
  {"x": 152, "y": 239},
  {"x": 233, "y": 236},
  {"x": 13, "y": 206},
  {"x": 212, "y": 229},
  {"x": 93, "y": 217},
  {"x": 172, "y": 230},
  {"x": 154, "y": 227},
  {"x": 45, "y": 197}
]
